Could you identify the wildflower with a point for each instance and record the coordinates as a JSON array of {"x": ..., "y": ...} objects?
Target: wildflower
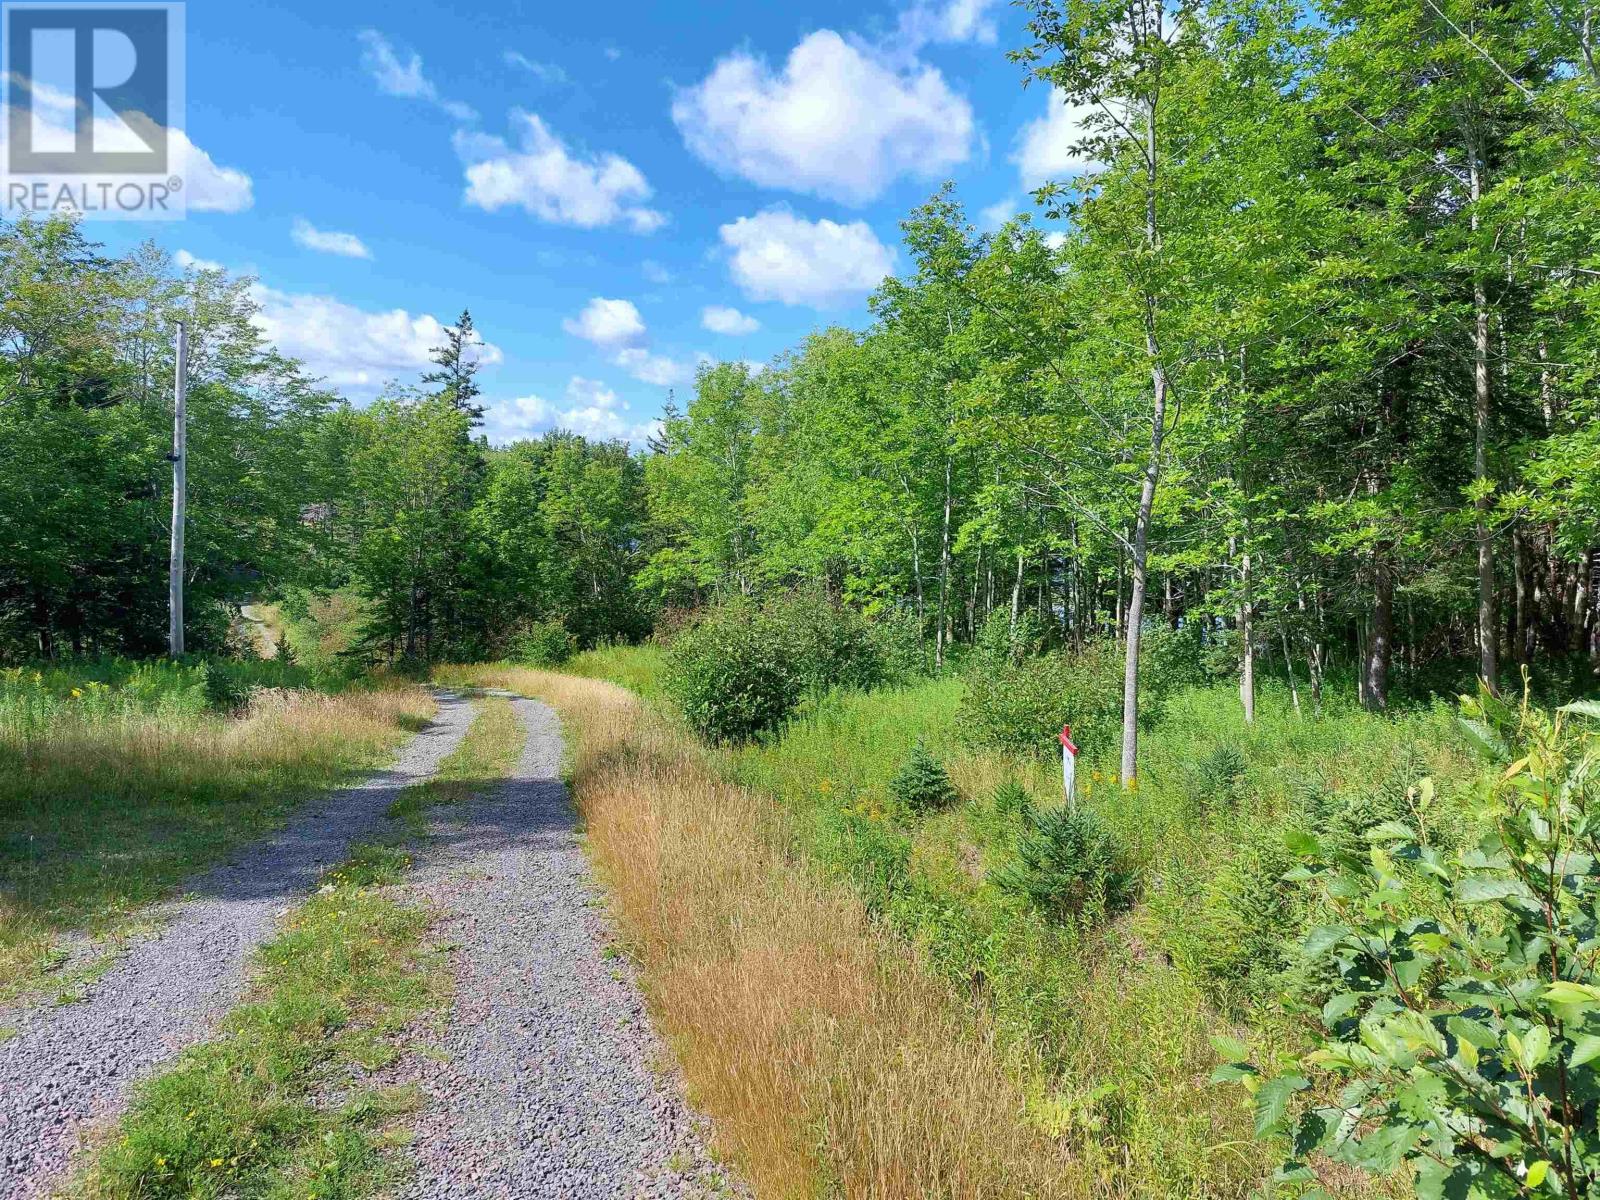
[
  {"x": 77, "y": 693},
  {"x": 216, "y": 1162},
  {"x": 825, "y": 786}
]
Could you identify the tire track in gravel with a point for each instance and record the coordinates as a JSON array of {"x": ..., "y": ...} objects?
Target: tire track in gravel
[
  {"x": 547, "y": 1085},
  {"x": 70, "y": 1066}
]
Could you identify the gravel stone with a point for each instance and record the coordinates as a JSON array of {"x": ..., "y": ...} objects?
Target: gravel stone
[
  {"x": 72, "y": 1065},
  {"x": 550, "y": 1082}
]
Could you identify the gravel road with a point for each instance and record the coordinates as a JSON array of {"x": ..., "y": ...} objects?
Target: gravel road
[
  {"x": 72, "y": 1064},
  {"x": 547, "y": 1084}
]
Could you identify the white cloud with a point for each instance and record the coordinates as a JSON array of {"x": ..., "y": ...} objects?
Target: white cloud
[
  {"x": 590, "y": 408},
  {"x": 840, "y": 121},
  {"x": 653, "y": 368},
  {"x": 776, "y": 255},
  {"x": 188, "y": 261},
  {"x": 616, "y": 327},
  {"x": 551, "y": 183},
  {"x": 520, "y": 417},
  {"x": 327, "y": 241},
  {"x": 719, "y": 318},
  {"x": 349, "y": 347},
  {"x": 951, "y": 21},
  {"x": 397, "y": 77},
  {"x": 655, "y": 272},
  {"x": 1048, "y": 147},
  {"x": 212, "y": 188},
  {"x": 607, "y": 323},
  {"x": 998, "y": 213},
  {"x": 544, "y": 72}
]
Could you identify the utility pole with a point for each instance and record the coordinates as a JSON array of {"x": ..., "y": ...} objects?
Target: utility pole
[{"x": 180, "y": 472}]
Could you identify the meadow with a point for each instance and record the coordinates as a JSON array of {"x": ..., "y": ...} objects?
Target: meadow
[
  {"x": 120, "y": 779},
  {"x": 1092, "y": 1033}
]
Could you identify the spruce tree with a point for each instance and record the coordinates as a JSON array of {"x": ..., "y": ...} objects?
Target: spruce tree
[{"x": 458, "y": 367}]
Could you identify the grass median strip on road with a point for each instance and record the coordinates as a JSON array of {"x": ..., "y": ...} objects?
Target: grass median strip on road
[
  {"x": 276, "y": 1105},
  {"x": 486, "y": 756}
]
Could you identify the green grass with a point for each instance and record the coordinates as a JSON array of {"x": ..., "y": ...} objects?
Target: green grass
[
  {"x": 108, "y": 805},
  {"x": 1108, "y": 1024},
  {"x": 277, "y": 1106},
  {"x": 637, "y": 668}
]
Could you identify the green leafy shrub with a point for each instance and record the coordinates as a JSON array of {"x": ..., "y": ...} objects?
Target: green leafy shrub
[
  {"x": 1019, "y": 702},
  {"x": 827, "y": 644},
  {"x": 730, "y": 676},
  {"x": 921, "y": 783},
  {"x": 740, "y": 669},
  {"x": 1465, "y": 1020},
  {"x": 547, "y": 643},
  {"x": 901, "y": 648},
  {"x": 1068, "y": 864}
]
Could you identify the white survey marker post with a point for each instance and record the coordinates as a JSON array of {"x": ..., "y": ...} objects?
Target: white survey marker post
[{"x": 1069, "y": 762}]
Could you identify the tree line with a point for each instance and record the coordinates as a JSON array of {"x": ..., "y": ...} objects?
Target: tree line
[
  {"x": 1305, "y": 358},
  {"x": 450, "y": 544}
]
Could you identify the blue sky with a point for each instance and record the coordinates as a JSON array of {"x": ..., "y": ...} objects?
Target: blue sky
[{"x": 615, "y": 191}]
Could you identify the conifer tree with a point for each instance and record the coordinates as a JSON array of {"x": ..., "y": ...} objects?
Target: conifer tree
[{"x": 458, "y": 367}]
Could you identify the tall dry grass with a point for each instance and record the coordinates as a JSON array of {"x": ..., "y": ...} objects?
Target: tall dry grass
[
  {"x": 828, "y": 1059},
  {"x": 101, "y": 817}
]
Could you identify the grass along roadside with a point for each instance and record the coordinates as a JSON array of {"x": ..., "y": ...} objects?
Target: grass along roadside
[
  {"x": 276, "y": 1106},
  {"x": 103, "y": 813},
  {"x": 830, "y": 1061}
]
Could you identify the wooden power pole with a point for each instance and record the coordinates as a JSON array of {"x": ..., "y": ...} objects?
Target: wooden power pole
[{"x": 180, "y": 484}]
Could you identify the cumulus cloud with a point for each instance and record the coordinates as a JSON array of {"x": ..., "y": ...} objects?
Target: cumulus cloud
[
  {"x": 719, "y": 318},
  {"x": 590, "y": 408},
  {"x": 402, "y": 76},
  {"x": 776, "y": 255},
  {"x": 549, "y": 181},
  {"x": 212, "y": 188},
  {"x": 616, "y": 327},
  {"x": 951, "y": 21},
  {"x": 1049, "y": 147},
  {"x": 327, "y": 241},
  {"x": 839, "y": 121},
  {"x": 654, "y": 369},
  {"x": 997, "y": 214},
  {"x": 352, "y": 348},
  {"x": 188, "y": 261},
  {"x": 607, "y": 323}
]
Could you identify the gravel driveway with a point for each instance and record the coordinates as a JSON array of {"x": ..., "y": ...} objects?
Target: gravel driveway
[
  {"x": 548, "y": 1084},
  {"x": 74, "y": 1063}
]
